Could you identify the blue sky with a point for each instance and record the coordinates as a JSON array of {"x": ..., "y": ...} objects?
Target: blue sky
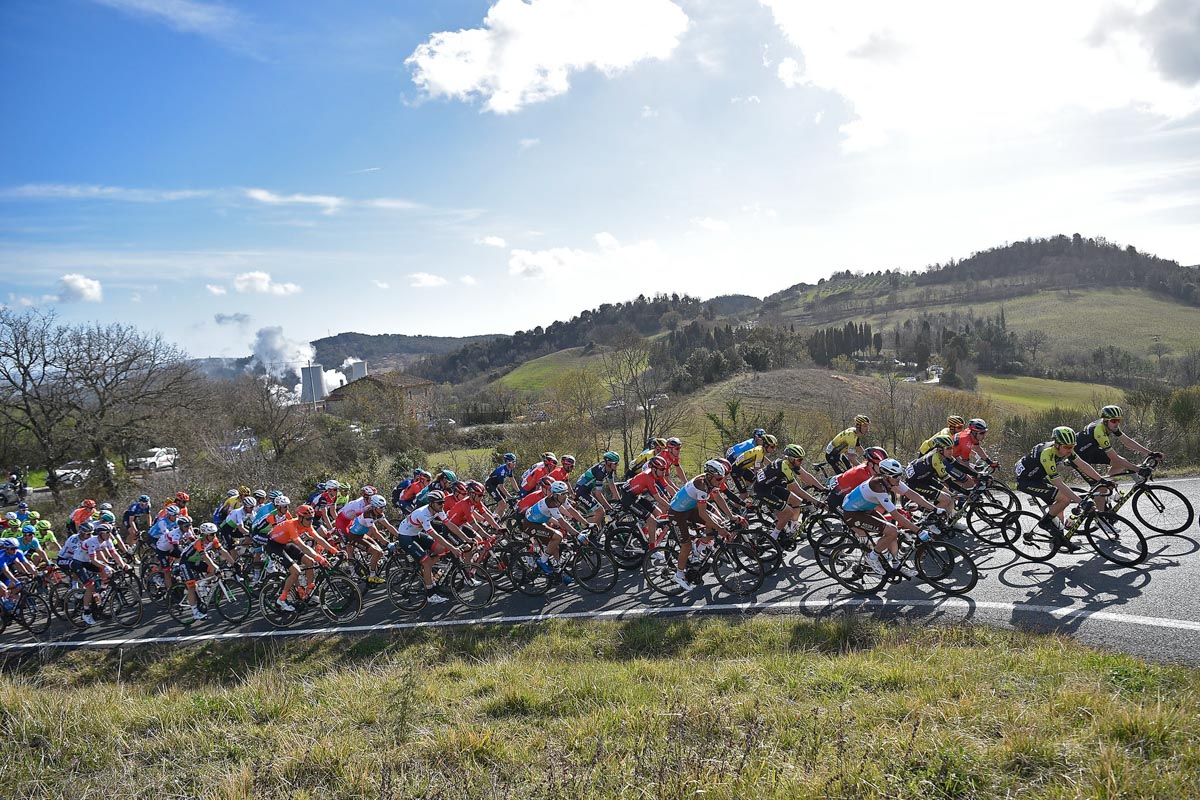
[{"x": 210, "y": 169}]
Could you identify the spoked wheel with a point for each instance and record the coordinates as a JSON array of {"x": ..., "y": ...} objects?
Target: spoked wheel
[
  {"x": 658, "y": 567},
  {"x": 592, "y": 568},
  {"x": 626, "y": 544},
  {"x": 1163, "y": 509},
  {"x": 177, "y": 605},
  {"x": 125, "y": 603},
  {"x": 738, "y": 569},
  {"x": 766, "y": 549},
  {"x": 526, "y": 575},
  {"x": 338, "y": 597},
  {"x": 986, "y": 522},
  {"x": 232, "y": 600},
  {"x": 269, "y": 591},
  {"x": 946, "y": 567},
  {"x": 72, "y": 608},
  {"x": 1116, "y": 539},
  {"x": 496, "y": 565},
  {"x": 472, "y": 586},
  {"x": 999, "y": 494},
  {"x": 33, "y": 613},
  {"x": 1029, "y": 539},
  {"x": 848, "y": 566},
  {"x": 406, "y": 589},
  {"x": 155, "y": 590},
  {"x": 824, "y": 535}
]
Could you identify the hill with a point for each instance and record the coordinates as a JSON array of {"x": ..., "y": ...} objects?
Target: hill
[
  {"x": 536, "y": 374},
  {"x": 386, "y": 349}
]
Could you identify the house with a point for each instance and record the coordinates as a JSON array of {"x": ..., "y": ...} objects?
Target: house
[{"x": 383, "y": 395}]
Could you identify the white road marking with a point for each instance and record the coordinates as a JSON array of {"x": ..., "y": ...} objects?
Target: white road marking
[{"x": 875, "y": 603}]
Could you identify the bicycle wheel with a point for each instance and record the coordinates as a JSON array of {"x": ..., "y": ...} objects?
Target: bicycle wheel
[
  {"x": 999, "y": 494},
  {"x": 592, "y": 568},
  {"x": 58, "y": 595},
  {"x": 824, "y": 534},
  {"x": 472, "y": 586},
  {"x": 406, "y": 589},
  {"x": 33, "y": 613},
  {"x": 1117, "y": 539},
  {"x": 232, "y": 600},
  {"x": 526, "y": 575},
  {"x": 177, "y": 605},
  {"x": 985, "y": 521},
  {"x": 738, "y": 569},
  {"x": 848, "y": 566},
  {"x": 658, "y": 568},
  {"x": 125, "y": 603},
  {"x": 766, "y": 549},
  {"x": 946, "y": 567},
  {"x": 1029, "y": 539},
  {"x": 269, "y": 591},
  {"x": 1163, "y": 509},
  {"x": 155, "y": 590},
  {"x": 338, "y": 597},
  {"x": 72, "y": 608},
  {"x": 626, "y": 544}
]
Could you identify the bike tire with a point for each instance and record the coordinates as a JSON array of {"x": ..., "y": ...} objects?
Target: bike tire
[
  {"x": 180, "y": 613},
  {"x": 1152, "y": 503},
  {"x": 824, "y": 534},
  {"x": 57, "y": 596},
  {"x": 338, "y": 597},
  {"x": 269, "y": 591},
  {"x": 1027, "y": 539},
  {"x": 406, "y": 589},
  {"x": 526, "y": 575},
  {"x": 33, "y": 614},
  {"x": 999, "y": 494},
  {"x": 946, "y": 567},
  {"x": 233, "y": 600},
  {"x": 848, "y": 567},
  {"x": 474, "y": 597},
  {"x": 125, "y": 603},
  {"x": 658, "y": 568},
  {"x": 150, "y": 589},
  {"x": 986, "y": 521},
  {"x": 593, "y": 568},
  {"x": 738, "y": 569},
  {"x": 626, "y": 545},
  {"x": 72, "y": 608},
  {"x": 1117, "y": 539},
  {"x": 766, "y": 549}
]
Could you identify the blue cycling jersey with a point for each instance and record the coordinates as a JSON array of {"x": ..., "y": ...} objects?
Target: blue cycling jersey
[
  {"x": 540, "y": 513},
  {"x": 688, "y": 497}
]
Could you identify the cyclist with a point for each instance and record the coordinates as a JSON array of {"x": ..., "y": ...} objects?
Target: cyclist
[
  {"x": 655, "y": 447},
  {"x": 14, "y": 561},
  {"x": 324, "y": 502},
  {"x": 180, "y": 500},
  {"x": 671, "y": 454},
  {"x": 1094, "y": 444},
  {"x": 30, "y": 547},
  {"x": 195, "y": 559},
  {"x": 443, "y": 482},
  {"x": 969, "y": 442},
  {"x": 408, "y": 488},
  {"x": 236, "y": 526},
  {"x": 747, "y": 465},
  {"x": 861, "y": 510},
  {"x": 540, "y": 517},
  {"x": 499, "y": 482},
  {"x": 162, "y": 525},
  {"x": 843, "y": 483},
  {"x": 94, "y": 556},
  {"x": 928, "y": 474},
  {"x": 350, "y": 511},
  {"x": 954, "y": 424},
  {"x": 778, "y": 487},
  {"x": 80, "y": 515},
  {"x": 416, "y": 535},
  {"x": 535, "y": 473},
  {"x": 364, "y": 534},
  {"x": 846, "y": 449},
  {"x": 688, "y": 506},
  {"x": 286, "y": 542},
  {"x": 138, "y": 510},
  {"x": 755, "y": 440},
  {"x": 167, "y": 546},
  {"x": 590, "y": 488},
  {"x": 470, "y": 513},
  {"x": 1037, "y": 476}
]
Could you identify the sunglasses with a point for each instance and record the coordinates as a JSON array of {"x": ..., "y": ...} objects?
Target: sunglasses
[
  {"x": 1117, "y": 420},
  {"x": 307, "y": 519}
]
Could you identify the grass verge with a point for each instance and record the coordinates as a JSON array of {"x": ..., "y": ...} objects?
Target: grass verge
[{"x": 766, "y": 707}]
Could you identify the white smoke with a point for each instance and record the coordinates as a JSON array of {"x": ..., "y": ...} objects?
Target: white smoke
[{"x": 281, "y": 356}]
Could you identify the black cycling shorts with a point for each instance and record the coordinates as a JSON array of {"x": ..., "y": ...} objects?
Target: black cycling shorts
[
  {"x": 289, "y": 554},
  {"x": 773, "y": 497},
  {"x": 838, "y": 461},
  {"x": 1041, "y": 489}
]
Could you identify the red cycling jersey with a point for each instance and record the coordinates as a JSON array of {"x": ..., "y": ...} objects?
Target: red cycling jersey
[
  {"x": 463, "y": 511},
  {"x": 530, "y": 500},
  {"x": 849, "y": 480},
  {"x": 646, "y": 483},
  {"x": 964, "y": 443}
]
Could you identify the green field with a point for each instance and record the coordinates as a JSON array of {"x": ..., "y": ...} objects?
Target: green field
[
  {"x": 460, "y": 461},
  {"x": 538, "y": 374},
  {"x": 1024, "y": 394},
  {"x": 764, "y": 707}
]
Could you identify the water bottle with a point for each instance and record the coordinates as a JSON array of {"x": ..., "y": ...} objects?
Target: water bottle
[{"x": 924, "y": 535}]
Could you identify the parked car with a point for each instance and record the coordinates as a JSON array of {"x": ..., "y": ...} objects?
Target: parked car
[
  {"x": 659, "y": 398},
  {"x": 75, "y": 473},
  {"x": 155, "y": 458},
  {"x": 439, "y": 423},
  {"x": 12, "y": 493},
  {"x": 244, "y": 445}
]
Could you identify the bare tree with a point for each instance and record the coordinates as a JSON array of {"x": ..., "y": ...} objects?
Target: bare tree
[
  {"x": 643, "y": 411},
  {"x": 1033, "y": 340},
  {"x": 270, "y": 410}
]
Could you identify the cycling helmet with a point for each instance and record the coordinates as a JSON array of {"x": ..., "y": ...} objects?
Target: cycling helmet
[
  {"x": 304, "y": 510},
  {"x": 102, "y": 506},
  {"x": 274, "y": 493},
  {"x": 231, "y": 493},
  {"x": 43, "y": 525},
  {"x": 674, "y": 441},
  {"x": 1111, "y": 412},
  {"x": 559, "y": 487},
  {"x": 1063, "y": 435},
  {"x": 378, "y": 501},
  {"x": 249, "y": 502},
  {"x": 182, "y": 498},
  {"x": 22, "y": 505},
  {"x": 770, "y": 441},
  {"x": 369, "y": 491},
  {"x": 435, "y": 497},
  {"x": 611, "y": 457},
  {"x": 793, "y": 451},
  {"x": 891, "y": 468},
  {"x": 11, "y": 516},
  {"x": 941, "y": 441},
  {"x": 35, "y": 516},
  {"x": 260, "y": 495},
  {"x": 658, "y": 462},
  {"x": 28, "y": 530},
  {"x": 475, "y": 487},
  {"x": 9, "y": 542},
  {"x": 568, "y": 461},
  {"x": 322, "y": 486},
  {"x": 658, "y": 443},
  {"x": 243, "y": 490},
  {"x": 144, "y": 499},
  {"x": 423, "y": 474},
  {"x": 332, "y": 484},
  {"x": 171, "y": 511},
  {"x": 184, "y": 522},
  {"x": 977, "y": 425},
  {"x": 86, "y": 527},
  {"x": 283, "y": 501},
  {"x": 725, "y": 463},
  {"x": 89, "y": 503},
  {"x": 101, "y": 529},
  {"x": 955, "y": 421},
  {"x": 448, "y": 474},
  {"x": 549, "y": 456},
  {"x": 107, "y": 516},
  {"x": 510, "y": 458},
  {"x": 714, "y": 467},
  {"x": 545, "y": 482},
  {"x": 459, "y": 487},
  {"x": 209, "y": 529},
  {"x": 759, "y": 433},
  {"x": 862, "y": 419},
  {"x": 418, "y": 472}
]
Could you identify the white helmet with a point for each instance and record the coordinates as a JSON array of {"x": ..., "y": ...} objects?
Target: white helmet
[
  {"x": 559, "y": 487},
  {"x": 378, "y": 501},
  {"x": 282, "y": 500},
  {"x": 332, "y": 484},
  {"x": 891, "y": 467},
  {"x": 714, "y": 467},
  {"x": 208, "y": 529}
]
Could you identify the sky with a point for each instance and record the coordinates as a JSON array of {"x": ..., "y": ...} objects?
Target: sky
[{"x": 247, "y": 176}]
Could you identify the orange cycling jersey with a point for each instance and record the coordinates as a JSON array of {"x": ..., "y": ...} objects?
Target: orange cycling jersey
[
  {"x": 81, "y": 515},
  {"x": 289, "y": 531},
  {"x": 963, "y": 445}
]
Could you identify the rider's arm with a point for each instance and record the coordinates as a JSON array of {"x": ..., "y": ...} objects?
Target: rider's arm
[
  {"x": 920, "y": 501},
  {"x": 1134, "y": 445},
  {"x": 796, "y": 490}
]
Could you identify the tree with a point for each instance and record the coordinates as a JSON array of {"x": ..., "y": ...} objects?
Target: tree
[
  {"x": 269, "y": 409},
  {"x": 629, "y": 378},
  {"x": 1033, "y": 340}
]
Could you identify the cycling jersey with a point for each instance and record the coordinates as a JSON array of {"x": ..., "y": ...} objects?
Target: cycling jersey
[
  {"x": 750, "y": 460},
  {"x": 645, "y": 483},
  {"x": 1094, "y": 442},
  {"x": 90, "y": 547},
  {"x": 533, "y": 475},
  {"x": 1042, "y": 463},
  {"x": 28, "y": 547},
  {"x": 463, "y": 512},
  {"x": 160, "y": 527},
  {"x": 289, "y": 531},
  {"x": 542, "y": 512},
  {"x": 420, "y": 520},
  {"x": 739, "y": 449},
  {"x": 597, "y": 475},
  {"x": 964, "y": 445},
  {"x": 776, "y": 473},
  {"x": 499, "y": 475},
  {"x": 849, "y": 480},
  {"x": 235, "y": 518},
  {"x": 927, "y": 445},
  {"x": 529, "y": 500},
  {"x": 352, "y": 510},
  {"x": 870, "y": 494},
  {"x": 195, "y": 549},
  {"x": 413, "y": 489},
  {"x": 641, "y": 460},
  {"x": 81, "y": 515},
  {"x": 362, "y": 525},
  {"x": 453, "y": 501},
  {"x": 926, "y": 469},
  {"x": 690, "y": 495},
  {"x": 6, "y": 559},
  {"x": 70, "y": 548},
  {"x": 135, "y": 510},
  {"x": 170, "y": 539},
  {"x": 183, "y": 511},
  {"x": 844, "y": 441}
]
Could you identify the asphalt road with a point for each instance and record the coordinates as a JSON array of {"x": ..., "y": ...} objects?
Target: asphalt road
[{"x": 1152, "y": 610}]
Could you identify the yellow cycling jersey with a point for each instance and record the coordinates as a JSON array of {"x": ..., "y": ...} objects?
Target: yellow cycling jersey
[
  {"x": 927, "y": 445},
  {"x": 842, "y": 442},
  {"x": 751, "y": 459},
  {"x": 641, "y": 460}
]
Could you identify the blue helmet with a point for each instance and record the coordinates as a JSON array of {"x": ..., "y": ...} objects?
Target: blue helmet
[
  {"x": 511, "y": 458},
  {"x": 759, "y": 433}
]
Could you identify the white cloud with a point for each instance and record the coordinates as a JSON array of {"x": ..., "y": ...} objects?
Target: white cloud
[
  {"x": 75, "y": 191},
  {"x": 942, "y": 71},
  {"x": 492, "y": 241},
  {"x": 136, "y": 297},
  {"x": 188, "y": 16},
  {"x": 327, "y": 203},
  {"x": 366, "y": 169},
  {"x": 237, "y": 318},
  {"x": 648, "y": 112},
  {"x": 78, "y": 288},
  {"x": 425, "y": 280},
  {"x": 214, "y": 289},
  {"x": 750, "y": 99},
  {"x": 711, "y": 225},
  {"x": 525, "y": 144},
  {"x": 381, "y": 284},
  {"x": 467, "y": 280},
  {"x": 391, "y": 204},
  {"x": 565, "y": 262},
  {"x": 525, "y": 52},
  {"x": 261, "y": 283}
]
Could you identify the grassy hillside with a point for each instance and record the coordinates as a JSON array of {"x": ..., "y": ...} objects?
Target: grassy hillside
[
  {"x": 539, "y": 373},
  {"x": 768, "y": 707},
  {"x": 1026, "y": 394}
]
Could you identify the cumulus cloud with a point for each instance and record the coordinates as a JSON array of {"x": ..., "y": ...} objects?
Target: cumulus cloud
[
  {"x": 425, "y": 280},
  {"x": 946, "y": 71},
  {"x": 492, "y": 241},
  {"x": 525, "y": 52},
  {"x": 238, "y": 318},
  {"x": 76, "y": 288},
  {"x": 214, "y": 289},
  {"x": 467, "y": 280},
  {"x": 261, "y": 283},
  {"x": 567, "y": 262}
]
